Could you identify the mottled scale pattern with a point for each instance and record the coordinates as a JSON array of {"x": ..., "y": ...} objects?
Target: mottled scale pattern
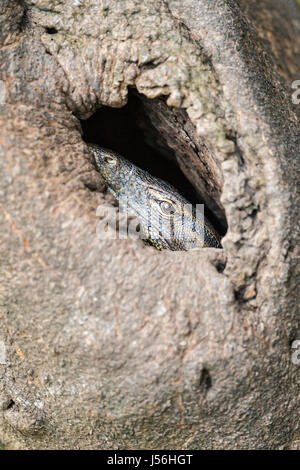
[{"x": 167, "y": 219}]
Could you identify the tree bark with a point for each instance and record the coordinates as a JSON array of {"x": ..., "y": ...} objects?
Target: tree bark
[{"x": 109, "y": 343}]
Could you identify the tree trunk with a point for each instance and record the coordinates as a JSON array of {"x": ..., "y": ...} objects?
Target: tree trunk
[{"x": 110, "y": 343}]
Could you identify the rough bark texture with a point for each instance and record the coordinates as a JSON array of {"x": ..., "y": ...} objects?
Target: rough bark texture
[{"x": 110, "y": 344}]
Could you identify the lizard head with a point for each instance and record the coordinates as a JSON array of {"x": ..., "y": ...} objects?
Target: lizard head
[{"x": 166, "y": 217}]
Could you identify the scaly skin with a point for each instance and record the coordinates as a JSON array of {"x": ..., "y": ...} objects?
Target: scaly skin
[{"x": 166, "y": 218}]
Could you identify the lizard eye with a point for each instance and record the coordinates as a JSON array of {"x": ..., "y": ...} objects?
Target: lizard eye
[
  {"x": 167, "y": 208},
  {"x": 109, "y": 160}
]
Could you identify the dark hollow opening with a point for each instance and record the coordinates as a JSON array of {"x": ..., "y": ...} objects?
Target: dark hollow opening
[
  {"x": 51, "y": 30},
  {"x": 9, "y": 405},
  {"x": 127, "y": 130},
  {"x": 205, "y": 381}
]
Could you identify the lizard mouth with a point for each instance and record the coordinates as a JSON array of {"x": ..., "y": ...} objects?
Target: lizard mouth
[{"x": 162, "y": 140}]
